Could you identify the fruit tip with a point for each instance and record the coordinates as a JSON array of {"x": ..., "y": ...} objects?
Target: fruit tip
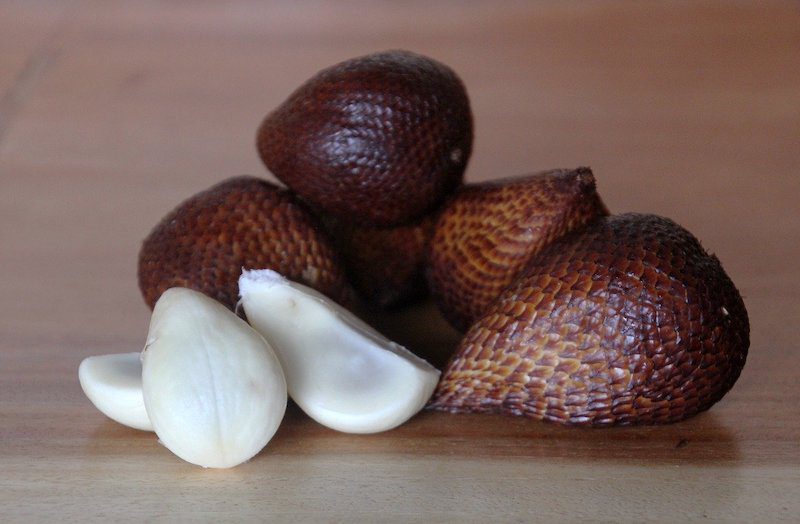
[
  {"x": 261, "y": 277},
  {"x": 585, "y": 176}
]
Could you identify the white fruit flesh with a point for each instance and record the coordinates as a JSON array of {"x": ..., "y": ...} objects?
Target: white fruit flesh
[
  {"x": 114, "y": 385},
  {"x": 213, "y": 388},
  {"x": 339, "y": 370}
]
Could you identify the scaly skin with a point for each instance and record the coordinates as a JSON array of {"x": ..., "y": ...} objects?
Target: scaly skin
[
  {"x": 377, "y": 140},
  {"x": 385, "y": 265},
  {"x": 243, "y": 222},
  {"x": 486, "y": 234},
  {"x": 629, "y": 321}
]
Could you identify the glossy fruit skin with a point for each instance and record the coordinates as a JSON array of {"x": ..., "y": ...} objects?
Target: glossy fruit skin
[
  {"x": 384, "y": 265},
  {"x": 627, "y": 322},
  {"x": 486, "y": 234},
  {"x": 242, "y": 222},
  {"x": 378, "y": 140}
]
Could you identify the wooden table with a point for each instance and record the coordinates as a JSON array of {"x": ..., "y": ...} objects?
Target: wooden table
[{"x": 113, "y": 112}]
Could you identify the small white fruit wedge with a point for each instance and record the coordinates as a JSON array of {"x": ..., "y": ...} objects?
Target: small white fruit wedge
[
  {"x": 340, "y": 371},
  {"x": 114, "y": 385},
  {"x": 213, "y": 387}
]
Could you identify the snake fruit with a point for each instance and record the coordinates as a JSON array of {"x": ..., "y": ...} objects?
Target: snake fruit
[
  {"x": 384, "y": 265},
  {"x": 629, "y": 321},
  {"x": 380, "y": 139},
  {"x": 486, "y": 234},
  {"x": 242, "y": 222}
]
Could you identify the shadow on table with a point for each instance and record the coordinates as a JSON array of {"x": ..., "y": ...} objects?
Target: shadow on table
[{"x": 700, "y": 440}]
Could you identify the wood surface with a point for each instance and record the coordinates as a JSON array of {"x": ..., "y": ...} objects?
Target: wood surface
[{"x": 113, "y": 112}]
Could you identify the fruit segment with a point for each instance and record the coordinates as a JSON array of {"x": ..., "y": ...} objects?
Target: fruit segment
[
  {"x": 339, "y": 370},
  {"x": 213, "y": 388},
  {"x": 630, "y": 321},
  {"x": 114, "y": 385}
]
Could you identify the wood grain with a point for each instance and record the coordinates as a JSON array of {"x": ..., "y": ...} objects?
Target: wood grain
[{"x": 112, "y": 112}]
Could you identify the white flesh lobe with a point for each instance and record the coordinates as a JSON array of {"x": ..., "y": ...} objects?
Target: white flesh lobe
[
  {"x": 339, "y": 370},
  {"x": 213, "y": 388}
]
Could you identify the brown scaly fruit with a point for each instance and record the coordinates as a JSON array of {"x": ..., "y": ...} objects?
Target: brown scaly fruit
[
  {"x": 486, "y": 234},
  {"x": 385, "y": 265},
  {"x": 379, "y": 139},
  {"x": 629, "y": 321},
  {"x": 242, "y": 222}
]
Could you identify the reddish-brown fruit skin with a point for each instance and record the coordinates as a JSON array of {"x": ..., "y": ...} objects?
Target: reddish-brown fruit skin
[
  {"x": 379, "y": 139},
  {"x": 385, "y": 265},
  {"x": 627, "y": 322},
  {"x": 486, "y": 234},
  {"x": 243, "y": 222}
]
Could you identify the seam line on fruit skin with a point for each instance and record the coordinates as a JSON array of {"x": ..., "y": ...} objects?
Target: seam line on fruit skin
[{"x": 204, "y": 341}]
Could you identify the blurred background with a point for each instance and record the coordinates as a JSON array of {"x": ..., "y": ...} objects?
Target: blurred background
[{"x": 113, "y": 112}]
